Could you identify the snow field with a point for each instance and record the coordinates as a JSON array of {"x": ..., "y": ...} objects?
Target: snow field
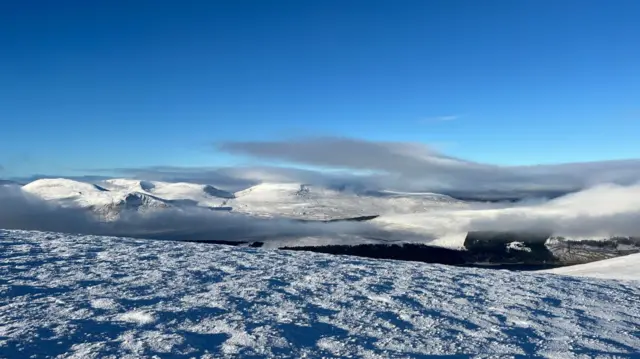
[{"x": 71, "y": 296}]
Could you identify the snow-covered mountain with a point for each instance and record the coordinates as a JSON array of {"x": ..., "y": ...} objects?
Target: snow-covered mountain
[
  {"x": 70, "y": 192},
  {"x": 291, "y": 200},
  {"x": 110, "y": 198},
  {"x": 204, "y": 195},
  {"x": 130, "y": 202},
  {"x": 71, "y": 296},
  {"x": 295, "y": 200}
]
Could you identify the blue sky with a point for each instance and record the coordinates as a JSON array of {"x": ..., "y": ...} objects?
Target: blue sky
[{"x": 109, "y": 84}]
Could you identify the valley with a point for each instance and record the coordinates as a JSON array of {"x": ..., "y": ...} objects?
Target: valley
[{"x": 426, "y": 227}]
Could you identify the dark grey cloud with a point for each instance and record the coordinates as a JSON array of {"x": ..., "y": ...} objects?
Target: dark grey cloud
[{"x": 393, "y": 157}]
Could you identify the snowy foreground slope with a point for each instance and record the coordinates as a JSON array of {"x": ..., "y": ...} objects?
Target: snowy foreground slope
[
  {"x": 625, "y": 268},
  {"x": 70, "y": 296}
]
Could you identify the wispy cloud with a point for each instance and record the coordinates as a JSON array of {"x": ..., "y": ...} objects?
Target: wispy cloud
[{"x": 441, "y": 118}]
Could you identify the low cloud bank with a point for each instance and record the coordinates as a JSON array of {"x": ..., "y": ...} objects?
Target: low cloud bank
[{"x": 598, "y": 212}]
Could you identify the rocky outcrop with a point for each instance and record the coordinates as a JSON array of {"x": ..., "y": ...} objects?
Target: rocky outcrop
[{"x": 131, "y": 202}]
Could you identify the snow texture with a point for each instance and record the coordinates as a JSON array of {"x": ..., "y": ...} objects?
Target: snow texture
[{"x": 71, "y": 296}]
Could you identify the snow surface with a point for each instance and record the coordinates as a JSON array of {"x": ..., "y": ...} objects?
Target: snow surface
[
  {"x": 624, "y": 268},
  {"x": 71, "y": 296}
]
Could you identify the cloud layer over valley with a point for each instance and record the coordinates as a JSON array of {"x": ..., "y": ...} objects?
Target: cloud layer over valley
[
  {"x": 20, "y": 210},
  {"x": 351, "y": 178}
]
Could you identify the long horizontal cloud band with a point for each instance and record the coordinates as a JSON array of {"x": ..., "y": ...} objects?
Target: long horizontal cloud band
[
  {"x": 415, "y": 163},
  {"x": 391, "y": 165}
]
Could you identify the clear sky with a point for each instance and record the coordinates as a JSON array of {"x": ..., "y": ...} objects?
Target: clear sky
[{"x": 106, "y": 84}]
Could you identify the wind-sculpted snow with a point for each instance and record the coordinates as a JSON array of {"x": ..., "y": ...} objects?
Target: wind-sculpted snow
[{"x": 70, "y": 296}]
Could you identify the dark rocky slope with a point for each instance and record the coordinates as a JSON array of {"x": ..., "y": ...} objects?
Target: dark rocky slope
[{"x": 510, "y": 250}]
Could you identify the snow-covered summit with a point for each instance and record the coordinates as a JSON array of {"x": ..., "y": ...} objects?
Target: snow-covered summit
[
  {"x": 71, "y": 191},
  {"x": 130, "y": 185},
  {"x": 69, "y": 296},
  {"x": 108, "y": 198}
]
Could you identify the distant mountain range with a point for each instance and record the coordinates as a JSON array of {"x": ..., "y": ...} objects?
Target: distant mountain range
[{"x": 111, "y": 197}]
